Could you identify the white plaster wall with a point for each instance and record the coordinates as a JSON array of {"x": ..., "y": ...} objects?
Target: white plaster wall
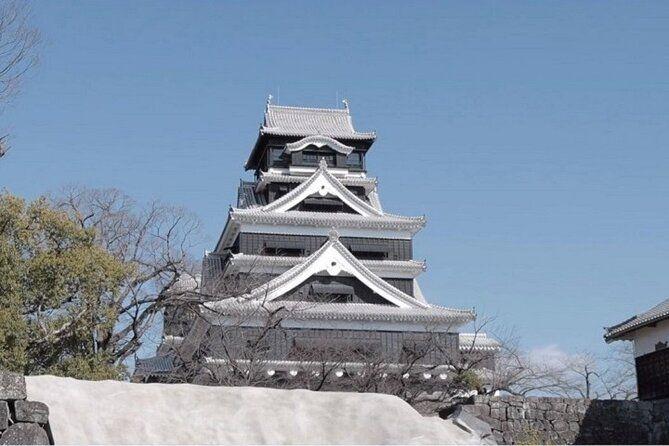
[
  {"x": 646, "y": 338},
  {"x": 113, "y": 412}
]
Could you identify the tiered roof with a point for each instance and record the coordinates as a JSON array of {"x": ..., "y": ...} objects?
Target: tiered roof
[
  {"x": 364, "y": 312},
  {"x": 303, "y": 122},
  {"x": 321, "y": 182},
  {"x": 333, "y": 259}
]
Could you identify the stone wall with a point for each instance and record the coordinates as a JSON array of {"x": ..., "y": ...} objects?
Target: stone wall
[
  {"x": 541, "y": 420},
  {"x": 21, "y": 421}
]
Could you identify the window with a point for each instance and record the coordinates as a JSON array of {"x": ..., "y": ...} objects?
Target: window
[
  {"x": 354, "y": 159},
  {"x": 318, "y": 204},
  {"x": 284, "y": 249},
  {"x": 277, "y": 157},
  {"x": 369, "y": 251},
  {"x": 283, "y": 252},
  {"x": 312, "y": 157},
  {"x": 331, "y": 292}
]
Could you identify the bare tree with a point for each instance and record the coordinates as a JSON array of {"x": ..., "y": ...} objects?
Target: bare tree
[
  {"x": 243, "y": 351},
  {"x": 581, "y": 375},
  {"x": 18, "y": 42},
  {"x": 154, "y": 242}
]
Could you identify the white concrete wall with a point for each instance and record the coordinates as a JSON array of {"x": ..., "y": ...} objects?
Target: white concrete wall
[{"x": 646, "y": 338}]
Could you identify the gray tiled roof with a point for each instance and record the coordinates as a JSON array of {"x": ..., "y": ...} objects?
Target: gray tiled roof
[
  {"x": 477, "y": 342},
  {"x": 657, "y": 313},
  {"x": 156, "y": 365},
  {"x": 247, "y": 197},
  {"x": 301, "y": 310},
  {"x": 301, "y": 121}
]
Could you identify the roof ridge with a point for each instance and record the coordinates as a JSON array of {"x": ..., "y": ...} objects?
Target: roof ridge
[{"x": 345, "y": 111}]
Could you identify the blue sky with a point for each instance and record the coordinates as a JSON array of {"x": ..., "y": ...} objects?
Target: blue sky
[{"x": 533, "y": 135}]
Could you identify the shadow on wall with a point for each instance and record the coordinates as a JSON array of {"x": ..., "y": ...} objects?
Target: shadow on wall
[
  {"x": 607, "y": 422},
  {"x": 544, "y": 420},
  {"x": 629, "y": 422}
]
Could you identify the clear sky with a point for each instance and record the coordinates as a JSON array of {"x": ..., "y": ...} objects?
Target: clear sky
[{"x": 533, "y": 135}]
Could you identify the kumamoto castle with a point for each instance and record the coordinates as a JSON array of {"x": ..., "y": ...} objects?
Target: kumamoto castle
[{"x": 311, "y": 262}]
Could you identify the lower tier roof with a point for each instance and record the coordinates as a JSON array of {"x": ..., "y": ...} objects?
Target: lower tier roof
[{"x": 302, "y": 310}]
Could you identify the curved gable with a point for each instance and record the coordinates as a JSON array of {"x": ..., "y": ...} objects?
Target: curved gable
[
  {"x": 321, "y": 183},
  {"x": 332, "y": 258},
  {"x": 319, "y": 141}
]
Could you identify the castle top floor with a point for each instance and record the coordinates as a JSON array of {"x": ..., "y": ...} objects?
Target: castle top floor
[{"x": 299, "y": 137}]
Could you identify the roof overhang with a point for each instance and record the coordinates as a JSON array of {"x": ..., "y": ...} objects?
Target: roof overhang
[
  {"x": 625, "y": 329},
  {"x": 369, "y": 184},
  {"x": 407, "y": 269}
]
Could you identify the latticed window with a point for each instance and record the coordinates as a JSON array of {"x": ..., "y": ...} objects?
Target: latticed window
[{"x": 313, "y": 157}]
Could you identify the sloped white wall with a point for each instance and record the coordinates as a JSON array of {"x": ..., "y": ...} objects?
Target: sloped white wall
[{"x": 112, "y": 412}]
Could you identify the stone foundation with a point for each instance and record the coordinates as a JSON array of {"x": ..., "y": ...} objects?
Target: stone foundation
[
  {"x": 538, "y": 420},
  {"x": 21, "y": 421}
]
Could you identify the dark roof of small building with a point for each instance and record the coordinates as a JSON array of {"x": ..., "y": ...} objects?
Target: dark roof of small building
[
  {"x": 156, "y": 365},
  {"x": 656, "y": 314}
]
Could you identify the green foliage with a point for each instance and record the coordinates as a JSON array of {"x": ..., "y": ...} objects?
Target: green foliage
[
  {"x": 55, "y": 286},
  {"x": 468, "y": 380},
  {"x": 531, "y": 436}
]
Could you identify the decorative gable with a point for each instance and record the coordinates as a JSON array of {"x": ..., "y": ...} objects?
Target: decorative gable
[
  {"x": 322, "y": 183},
  {"x": 333, "y": 259},
  {"x": 319, "y": 141}
]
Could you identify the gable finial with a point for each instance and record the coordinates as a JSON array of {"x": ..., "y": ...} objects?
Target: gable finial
[
  {"x": 323, "y": 164},
  {"x": 333, "y": 234},
  {"x": 269, "y": 100},
  {"x": 345, "y": 101}
]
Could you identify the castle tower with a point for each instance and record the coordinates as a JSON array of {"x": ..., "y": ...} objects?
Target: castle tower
[{"x": 310, "y": 238}]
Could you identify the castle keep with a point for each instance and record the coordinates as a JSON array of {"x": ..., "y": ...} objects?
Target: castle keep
[{"x": 310, "y": 245}]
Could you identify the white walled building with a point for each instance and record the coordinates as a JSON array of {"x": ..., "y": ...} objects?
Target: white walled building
[{"x": 649, "y": 332}]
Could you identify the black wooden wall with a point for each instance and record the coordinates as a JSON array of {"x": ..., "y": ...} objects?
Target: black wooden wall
[
  {"x": 652, "y": 371},
  {"x": 251, "y": 243},
  {"x": 280, "y": 343}
]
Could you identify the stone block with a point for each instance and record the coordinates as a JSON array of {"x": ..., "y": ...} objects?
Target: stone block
[
  {"x": 559, "y": 406},
  {"x": 533, "y": 414},
  {"x": 515, "y": 413},
  {"x": 497, "y": 414},
  {"x": 507, "y": 438},
  {"x": 471, "y": 424},
  {"x": 25, "y": 433},
  {"x": 494, "y": 424},
  {"x": 484, "y": 409},
  {"x": 12, "y": 386},
  {"x": 4, "y": 415},
  {"x": 31, "y": 412},
  {"x": 542, "y": 405},
  {"x": 551, "y": 415},
  {"x": 560, "y": 426}
]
